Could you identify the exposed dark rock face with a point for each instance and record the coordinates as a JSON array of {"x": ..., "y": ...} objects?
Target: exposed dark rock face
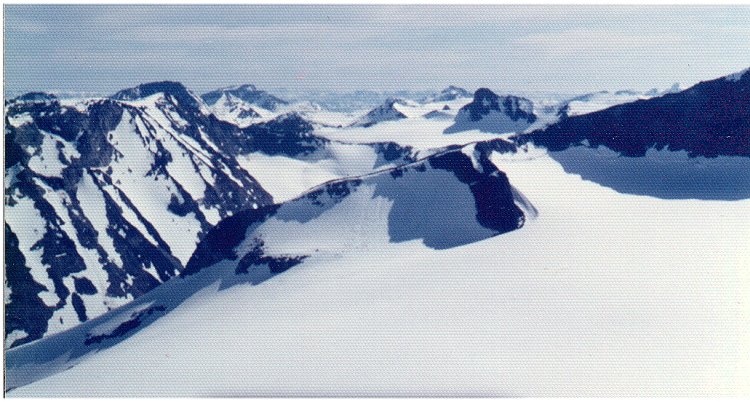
[
  {"x": 288, "y": 134},
  {"x": 709, "y": 119},
  {"x": 81, "y": 234},
  {"x": 493, "y": 113},
  {"x": 447, "y": 200},
  {"x": 486, "y": 101}
]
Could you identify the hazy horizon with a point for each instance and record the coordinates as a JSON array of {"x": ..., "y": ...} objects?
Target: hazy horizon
[{"x": 563, "y": 49}]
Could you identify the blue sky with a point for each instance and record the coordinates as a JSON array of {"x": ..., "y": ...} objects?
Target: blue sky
[{"x": 572, "y": 49}]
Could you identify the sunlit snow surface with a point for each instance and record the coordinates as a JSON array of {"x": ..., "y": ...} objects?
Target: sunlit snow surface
[
  {"x": 603, "y": 294},
  {"x": 286, "y": 177},
  {"x": 419, "y": 132}
]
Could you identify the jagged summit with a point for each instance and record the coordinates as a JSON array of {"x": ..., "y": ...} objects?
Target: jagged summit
[
  {"x": 247, "y": 93},
  {"x": 450, "y": 93},
  {"x": 35, "y": 97},
  {"x": 172, "y": 88},
  {"x": 107, "y": 199},
  {"x": 388, "y": 111},
  {"x": 490, "y": 112},
  {"x": 486, "y": 101}
]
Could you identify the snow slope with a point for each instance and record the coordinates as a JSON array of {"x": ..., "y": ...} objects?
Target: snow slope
[
  {"x": 596, "y": 101},
  {"x": 108, "y": 198},
  {"x": 457, "y": 190},
  {"x": 627, "y": 279},
  {"x": 247, "y": 94},
  {"x": 234, "y": 110},
  {"x": 286, "y": 177},
  {"x": 421, "y": 133},
  {"x": 604, "y": 294}
]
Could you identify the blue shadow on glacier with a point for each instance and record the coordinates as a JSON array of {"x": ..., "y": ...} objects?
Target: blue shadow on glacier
[
  {"x": 661, "y": 174},
  {"x": 447, "y": 200}
]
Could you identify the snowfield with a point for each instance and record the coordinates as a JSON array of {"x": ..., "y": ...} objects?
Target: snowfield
[
  {"x": 420, "y": 133},
  {"x": 286, "y": 178},
  {"x": 602, "y": 294},
  {"x": 164, "y": 244}
]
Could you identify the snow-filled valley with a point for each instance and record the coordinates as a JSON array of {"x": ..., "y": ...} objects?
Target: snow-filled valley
[
  {"x": 462, "y": 244},
  {"x": 602, "y": 294}
]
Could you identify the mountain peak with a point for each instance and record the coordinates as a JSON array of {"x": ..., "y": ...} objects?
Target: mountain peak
[
  {"x": 36, "y": 97},
  {"x": 247, "y": 93},
  {"x": 483, "y": 95},
  {"x": 450, "y": 93},
  {"x": 385, "y": 112},
  {"x": 243, "y": 87},
  {"x": 491, "y": 112},
  {"x": 514, "y": 106},
  {"x": 171, "y": 88},
  {"x": 739, "y": 75}
]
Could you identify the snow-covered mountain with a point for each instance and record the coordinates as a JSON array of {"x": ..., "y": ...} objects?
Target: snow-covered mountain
[
  {"x": 289, "y": 134},
  {"x": 490, "y": 112},
  {"x": 444, "y": 201},
  {"x": 687, "y": 144},
  {"x": 710, "y": 119},
  {"x": 596, "y": 101},
  {"x": 247, "y": 93},
  {"x": 550, "y": 309},
  {"x": 582, "y": 255},
  {"x": 107, "y": 198},
  {"x": 234, "y": 110},
  {"x": 287, "y": 157},
  {"x": 243, "y": 105},
  {"x": 448, "y": 94},
  {"x": 388, "y": 111}
]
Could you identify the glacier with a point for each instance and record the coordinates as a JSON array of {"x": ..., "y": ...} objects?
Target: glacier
[{"x": 445, "y": 245}]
